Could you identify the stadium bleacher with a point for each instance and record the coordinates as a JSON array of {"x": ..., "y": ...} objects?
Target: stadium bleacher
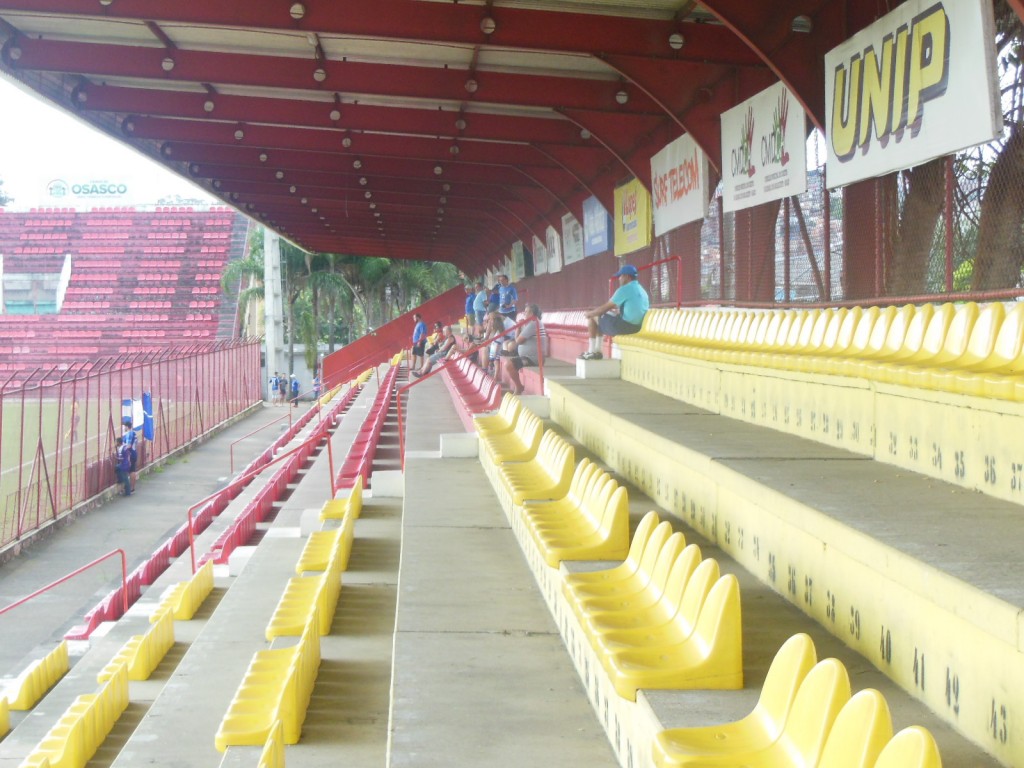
[{"x": 140, "y": 280}]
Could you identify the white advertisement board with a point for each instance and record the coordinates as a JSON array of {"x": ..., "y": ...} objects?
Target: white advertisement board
[
  {"x": 764, "y": 149},
  {"x": 540, "y": 256},
  {"x": 572, "y": 240},
  {"x": 554, "y": 246},
  {"x": 679, "y": 184},
  {"x": 917, "y": 84}
]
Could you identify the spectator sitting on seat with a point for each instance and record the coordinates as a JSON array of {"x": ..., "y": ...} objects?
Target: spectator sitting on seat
[
  {"x": 523, "y": 349},
  {"x": 442, "y": 349},
  {"x": 497, "y": 324},
  {"x": 622, "y": 314}
]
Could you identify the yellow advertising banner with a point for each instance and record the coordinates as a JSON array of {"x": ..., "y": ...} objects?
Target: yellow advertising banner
[{"x": 632, "y": 218}]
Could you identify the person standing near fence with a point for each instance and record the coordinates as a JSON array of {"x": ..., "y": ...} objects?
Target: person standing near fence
[
  {"x": 130, "y": 440},
  {"x": 295, "y": 391},
  {"x": 122, "y": 466}
]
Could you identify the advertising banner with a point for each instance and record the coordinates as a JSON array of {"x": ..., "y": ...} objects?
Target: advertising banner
[
  {"x": 679, "y": 184},
  {"x": 554, "y": 246},
  {"x": 572, "y": 240},
  {"x": 764, "y": 149},
  {"x": 632, "y": 218},
  {"x": 596, "y": 227},
  {"x": 917, "y": 84},
  {"x": 517, "y": 263},
  {"x": 540, "y": 256}
]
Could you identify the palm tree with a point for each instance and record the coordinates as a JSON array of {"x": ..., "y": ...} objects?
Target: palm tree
[{"x": 248, "y": 272}]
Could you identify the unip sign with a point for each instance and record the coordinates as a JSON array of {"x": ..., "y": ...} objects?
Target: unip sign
[{"x": 917, "y": 84}]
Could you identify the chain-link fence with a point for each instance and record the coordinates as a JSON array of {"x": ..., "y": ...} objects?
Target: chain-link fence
[
  {"x": 952, "y": 227},
  {"x": 58, "y": 427}
]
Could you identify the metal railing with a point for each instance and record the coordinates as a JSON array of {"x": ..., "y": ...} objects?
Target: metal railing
[
  {"x": 241, "y": 480},
  {"x": 465, "y": 356},
  {"x": 645, "y": 267},
  {"x": 76, "y": 572},
  {"x": 58, "y": 427}
]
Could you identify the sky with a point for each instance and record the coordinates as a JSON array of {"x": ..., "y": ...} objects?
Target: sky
[{"x": 40, "y": 143}]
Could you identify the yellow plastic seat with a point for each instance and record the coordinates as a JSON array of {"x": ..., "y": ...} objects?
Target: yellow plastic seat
[
  {"x": 24, "y": 692},
  {"x": 936, "y": 351},
  {"x": 520, "y": 444},
  {"x": 664, "y": 545},
  {"x": 539, "y": 510},
  {"x": 853, "y": 337},
  {"x": 711, "y": 658},
  {"x": 755, "y": 330},
  {"x": 913, "y": 747},
  {"x": 653, "y": 606},
  {"x": 503, "y": 420},
  {"x": 821, "y": 695},
  {"x": 757, "y": 730},
  {"x": 995, "y": 375},
  {"x": 277, "y": 686},
  {"x": 862, "y": 728},
  {"x": 668, "y": 623},
  {"x": 143, "y": 653},
  {"x": 184, "y": 599},
  {"x": 272, "y": 755},
  {"x": 305, "y": 597},
  {"x": 603, "y": 536},
  {"x": 579, "y": 582},
  {"x": 547, "y": 476},
  {"x": 5, "y": 716},
  {"x": 973, "y": 349},
  {"x": 346, "y": 506},
  {"x": 569, "y": 517},
  {"x": 322, "y": 545}
]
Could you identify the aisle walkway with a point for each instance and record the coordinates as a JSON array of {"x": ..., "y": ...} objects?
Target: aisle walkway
[{"x": 138, "y": 525}]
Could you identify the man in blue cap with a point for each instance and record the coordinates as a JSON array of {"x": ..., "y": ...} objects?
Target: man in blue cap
[{"x": 623, "y": 313}]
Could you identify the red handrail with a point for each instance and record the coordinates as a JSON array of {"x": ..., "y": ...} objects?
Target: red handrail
[
  {"x": 319, "y": 413},
  {"x": 87, "y": 566},
  {"x": 679, "y": 276},
  {"x": 462, "y": 356},
  {"x": 231, "y": 448},
  {"x": 252, "y": 473}
]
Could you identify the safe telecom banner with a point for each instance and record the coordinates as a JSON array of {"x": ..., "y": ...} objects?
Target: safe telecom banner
[
  {"x": 632, "y": 218},
  {"x": 917, "y": 84},
  {"x": 764, "y": 149},
  {"x": 679, "y": 183}
]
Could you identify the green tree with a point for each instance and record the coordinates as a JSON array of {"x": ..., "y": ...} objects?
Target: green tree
[
  {"x": 246, "y": 276},
  {"x": 4, "y": 197}
]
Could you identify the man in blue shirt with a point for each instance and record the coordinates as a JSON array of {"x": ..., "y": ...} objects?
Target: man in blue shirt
[
  {"x": 507, "y": 297},
  {"x": 623, "y": 313},
  {"x": 419, "y": 342}
]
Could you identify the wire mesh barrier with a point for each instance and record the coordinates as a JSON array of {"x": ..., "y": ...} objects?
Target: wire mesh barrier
[
  {"x": 948, "y": 228},
  {"x": 58, "y": 427}
]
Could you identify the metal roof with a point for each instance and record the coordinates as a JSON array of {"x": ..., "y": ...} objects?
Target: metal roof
[{"x": 422, "y": 129}]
